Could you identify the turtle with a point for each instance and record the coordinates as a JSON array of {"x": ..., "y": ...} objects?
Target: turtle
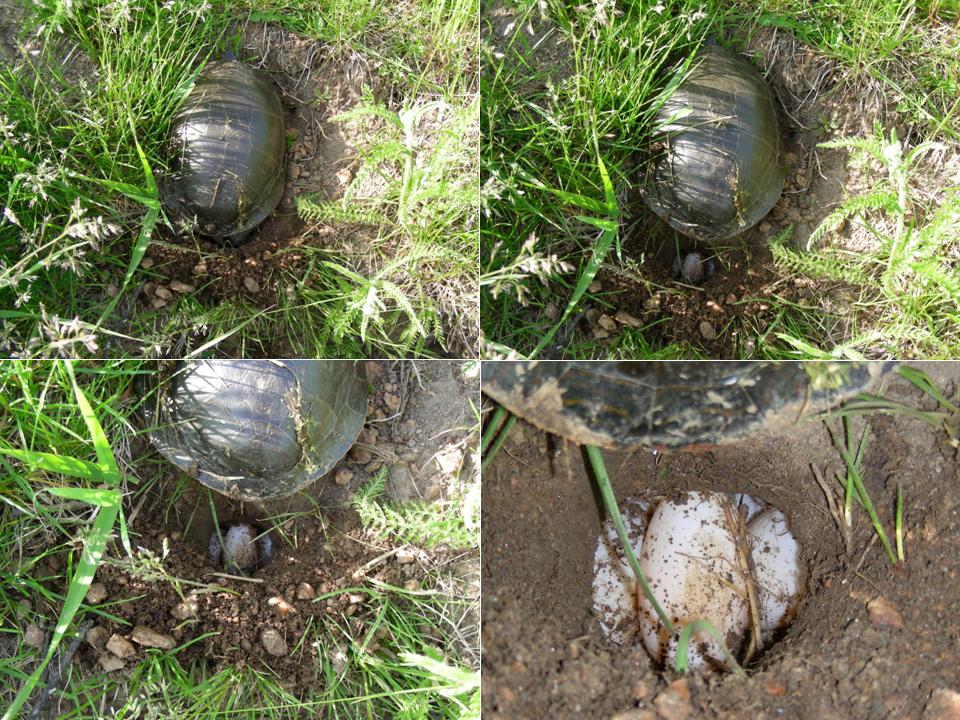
[
  {"x": 228, "y": 147},
  {"x": 671, "y": 405},
  {"x": 716, "y": 162},
  {"x": 257, "y": 429}
]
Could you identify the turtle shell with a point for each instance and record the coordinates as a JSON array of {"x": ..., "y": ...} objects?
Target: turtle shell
[
  {"x": 671, "y": 404},
  {"x": 716, "y": 166},
  {"x": 258, "y": 429},
  {"x": 229, "y": 147}
]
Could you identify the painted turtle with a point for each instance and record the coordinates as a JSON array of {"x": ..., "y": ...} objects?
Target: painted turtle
[
  {"x": 258, "y": 429},
  {"x": 229, "y": 147},
  {"x": 716, "y": 166},
  {"x": 671, "y": 404}
]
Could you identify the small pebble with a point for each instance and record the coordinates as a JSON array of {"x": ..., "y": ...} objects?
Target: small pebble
[
  {"x": 281, "y": 606},
  {"x": 625, "y": 318},
  {"x": 551, "y": 311},
  {"x": 883, "y": 614},
  {"x": 181, "y": 287},
  {"x": 707, "y": 330},
  {"x": 405, "y": 557},
  {"x": 944, "y": 704},
  {"x": 186, "y": 609},
  {"x": 599, "y": 333},
  {"x": 730, "y": 299},
  {"x": 764, "y": 227},
  {"x": 342, "y": 477},
  {"x": 674, "y": 702},
  {"x": 306, "y": 592},
  {"x": 246, "y": 644},
  {"x": 147, "y": 263},
  {"x": 111, "y": 662},
  {"x": 775, "y": 688},
  {"x": 360, "y": 455},
  {"x": 251, "y": 284},
  {"x": 158, "y": 303},
  {"x": 274, "y": 643},
  {"x": 33, "y": 636},
  {"x": 97, "y": 637},
  {"x": 147, "y": 637},
  {"x": 163, "y": 292},
  {"x": 595, "y": 287},
  {"x": 120, "y": 646},
  {"x": 391, "y": 401},
  {"x": 96, "y": 593},
  {"x": 607, "y": 323}
]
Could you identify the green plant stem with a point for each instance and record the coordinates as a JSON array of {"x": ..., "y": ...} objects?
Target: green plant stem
[
  {"x": 606, "y": 491},
  {"x": 497, "y": 433}
]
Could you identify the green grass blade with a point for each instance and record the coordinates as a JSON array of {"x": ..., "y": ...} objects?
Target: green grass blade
[
  {"x": 49, "y": 462},
  {"x": 609, "y": 230},
  {"x": 606, "y": 491},
  {"x": 152, "y": 201},
  {"x": 93, "y": 546},
  {"x": 703, "y": 626},
  {"x": 104, "y": 454}
]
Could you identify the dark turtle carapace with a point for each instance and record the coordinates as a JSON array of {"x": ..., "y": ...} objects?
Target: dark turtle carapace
[
  {"x": 671, "y": 404},
  {"x": 228, "y": 151},
  {"x": 258, "y": 429},
  {"x": 716, "y": 165}
]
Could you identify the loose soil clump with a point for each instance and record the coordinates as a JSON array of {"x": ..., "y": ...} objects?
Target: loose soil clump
[{"x": 871, "y": 640}]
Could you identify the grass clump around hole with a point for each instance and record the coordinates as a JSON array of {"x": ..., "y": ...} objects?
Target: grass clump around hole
[
  {"x": 84, "y": 117},
  {"x": 76, "y": 470}
]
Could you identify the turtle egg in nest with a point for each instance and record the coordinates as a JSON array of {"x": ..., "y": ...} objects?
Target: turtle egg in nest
[
  {"x": 241, "y": 548},
  {"x": 704, "y": 555}
]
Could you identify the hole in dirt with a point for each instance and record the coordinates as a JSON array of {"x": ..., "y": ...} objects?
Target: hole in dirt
[
  {"x": 545, "y": 654},
  {"x": 240, "y": 547},
  {"x": 728, "y": 559}
]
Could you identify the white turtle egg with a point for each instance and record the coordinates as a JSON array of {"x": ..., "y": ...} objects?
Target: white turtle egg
[
  {"x": 749, "y": 505},
  {"x": 241, "y": 548},
  {"x": 777, "y": 571},
  {"x": 614, "y": 586},
  {"x": 689, "y": 556}
]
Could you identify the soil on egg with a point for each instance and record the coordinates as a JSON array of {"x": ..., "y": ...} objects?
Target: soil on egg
[
  {"x": 544, "y": 654},
  {"x": 417, "y": 412}
]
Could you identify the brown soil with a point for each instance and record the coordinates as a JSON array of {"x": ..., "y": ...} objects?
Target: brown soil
[
  {"x": 325, "y": 547},
  {"x": 544, "y": 655}
]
